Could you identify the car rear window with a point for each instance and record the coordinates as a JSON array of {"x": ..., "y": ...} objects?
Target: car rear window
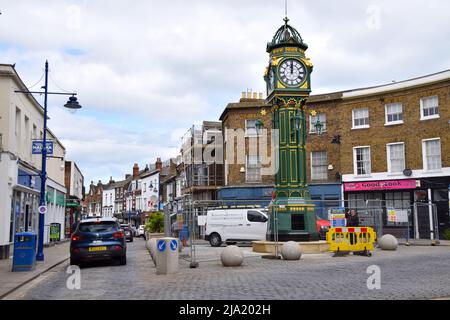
[{"x": 103, "y": 226}]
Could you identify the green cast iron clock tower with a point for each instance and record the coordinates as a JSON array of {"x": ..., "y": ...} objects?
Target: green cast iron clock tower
[{"x": 288, "y": 86}]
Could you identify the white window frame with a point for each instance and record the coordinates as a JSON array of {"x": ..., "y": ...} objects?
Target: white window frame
[
  {"x": 388, "y": 157},
  {"x": 424, "y": 155},
  {"x": 435, "y": 116},
  {"x": 312, "y": 128},
  {"x": 365, "y": 126},
  {"x": 246, "y": 170},
  {"x": 326, "y": 174},
  {"x": 355, "y": 164},
  {"x": 391, "y": 123},
  {"x": 247, "y": 134}
]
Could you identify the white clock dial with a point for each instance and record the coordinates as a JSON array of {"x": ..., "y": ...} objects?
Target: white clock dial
[{"x": 292, "y": 72}]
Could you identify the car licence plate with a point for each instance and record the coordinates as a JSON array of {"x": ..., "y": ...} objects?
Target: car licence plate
[{"x": 95, "y": 249}]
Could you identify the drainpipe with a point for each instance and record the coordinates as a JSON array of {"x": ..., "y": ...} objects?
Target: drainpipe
[{"x": 430, "y": 212}]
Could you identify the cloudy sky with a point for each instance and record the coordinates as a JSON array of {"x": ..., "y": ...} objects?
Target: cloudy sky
[{"x": 146, "y": 70}]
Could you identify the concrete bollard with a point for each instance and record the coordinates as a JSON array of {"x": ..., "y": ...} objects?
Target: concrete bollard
[
  {"x": 232, "y": 256},
  {"x": 166, "y": 256},
  {"x": 291, "y": 251},
  {"x": 151, "y": 247},
  {"x": 388, "y": 242}
]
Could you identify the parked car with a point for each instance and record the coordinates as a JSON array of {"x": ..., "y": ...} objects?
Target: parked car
[
  {"x": 134, "y": 231},
  {"x": 322, "y": 227},
  {"x": 141, "y": 231},
  {"x": 97, "y": 239},
  {"x": 127, "y": 231},
  {"x": 234, "y": 225}
]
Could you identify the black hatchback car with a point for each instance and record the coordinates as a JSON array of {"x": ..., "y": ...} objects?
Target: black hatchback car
[{"x": 98, "y": 239}]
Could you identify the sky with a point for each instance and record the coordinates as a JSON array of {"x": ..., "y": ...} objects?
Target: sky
[{"x": 146, "y": 70}]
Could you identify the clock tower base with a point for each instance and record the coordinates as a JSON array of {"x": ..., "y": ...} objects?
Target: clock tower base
[{"x": 296, "y": 220}]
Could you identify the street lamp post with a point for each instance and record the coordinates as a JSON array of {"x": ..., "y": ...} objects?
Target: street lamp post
[{"x": 71, "y": 104}]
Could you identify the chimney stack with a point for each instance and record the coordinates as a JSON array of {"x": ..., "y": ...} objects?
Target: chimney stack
[
  {"x": 158, "y": 164},
  {"x": 135, "y": 170}
]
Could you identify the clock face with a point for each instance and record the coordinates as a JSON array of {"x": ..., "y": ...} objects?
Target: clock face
[{"x": 292, "y": 72}]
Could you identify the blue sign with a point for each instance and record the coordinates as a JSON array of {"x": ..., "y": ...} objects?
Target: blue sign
[
  {"x": 173, "y": 245},
  {"x": 161, "y": 245},
  {"x": 37, "y": 146},
  {"x": 336, "y": 223}
]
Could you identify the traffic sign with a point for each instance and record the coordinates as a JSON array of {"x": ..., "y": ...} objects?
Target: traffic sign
[
  {"x": 161, "y": 245},
  {"x": 37, "y": 146},
  {"x": 42, "y": 209},
  {"x": 173, "y": 245}
]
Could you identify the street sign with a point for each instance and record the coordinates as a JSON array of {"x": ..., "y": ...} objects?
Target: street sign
[
  {"x": 161, "y": 245},
  {"x": 37, "y": 146},
  {"x": 42, "y": 209},
  {"x": 174, "y": 245}
]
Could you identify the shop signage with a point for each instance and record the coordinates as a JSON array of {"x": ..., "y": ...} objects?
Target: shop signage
[
  {"x": 394, "y": 215},
  {"x": 37, "y": 146},
  {"x": 380, "y": 185},
  {"x": 337, "y": 217}
]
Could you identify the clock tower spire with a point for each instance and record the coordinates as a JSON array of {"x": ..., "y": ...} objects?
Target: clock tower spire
[{"x": 288, "y": 80}]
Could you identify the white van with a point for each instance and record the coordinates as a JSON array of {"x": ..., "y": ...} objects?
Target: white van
[{"x": 233, "y": 225}]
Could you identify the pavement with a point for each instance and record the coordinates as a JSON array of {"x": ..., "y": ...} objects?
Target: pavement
[
  {"x": 10, "y": 281},
  {"x": 411, "y": 273}
]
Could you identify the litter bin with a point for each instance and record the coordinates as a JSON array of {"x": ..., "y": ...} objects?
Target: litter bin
[{"x": 24, "y": 251}]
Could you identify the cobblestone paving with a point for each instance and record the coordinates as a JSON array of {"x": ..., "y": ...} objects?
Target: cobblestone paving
[{"x": 409, "y": 273}]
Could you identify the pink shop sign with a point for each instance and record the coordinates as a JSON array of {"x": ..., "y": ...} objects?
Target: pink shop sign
[{"x": 380, "y": 185}]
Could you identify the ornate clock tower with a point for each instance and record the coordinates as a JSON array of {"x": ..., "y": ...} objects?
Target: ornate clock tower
[{"x": 288, "y": 86}]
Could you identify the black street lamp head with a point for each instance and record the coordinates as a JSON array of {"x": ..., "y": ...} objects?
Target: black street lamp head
[
  {"x": 259, "y": 125},
  {"x": 72, "y": 103},
  {"x": 319, "y": 126}
]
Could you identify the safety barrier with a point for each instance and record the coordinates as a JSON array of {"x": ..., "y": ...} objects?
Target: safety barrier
[{"x": 351, "y": 239}]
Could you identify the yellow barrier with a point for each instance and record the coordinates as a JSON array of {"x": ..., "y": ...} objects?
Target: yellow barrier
[{"x": 347, "y": 239}]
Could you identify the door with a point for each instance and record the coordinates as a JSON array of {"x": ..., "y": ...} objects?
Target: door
[
  {"x": 422, "y": 215},
  {"x": 441, "y": 200},
  {"x": 256, "y": 225}
]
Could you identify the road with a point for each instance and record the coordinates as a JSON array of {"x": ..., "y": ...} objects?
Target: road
[{"x": 409, "y": 273}]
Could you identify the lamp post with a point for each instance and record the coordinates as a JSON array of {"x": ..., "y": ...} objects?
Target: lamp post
[{"x": 71, "y": 104}]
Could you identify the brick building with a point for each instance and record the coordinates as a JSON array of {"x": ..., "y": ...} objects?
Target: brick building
[
  {"x": 385, "y": 147},
  {"x": 244, "y": 177},
  {"x": 394, "y": 147}
]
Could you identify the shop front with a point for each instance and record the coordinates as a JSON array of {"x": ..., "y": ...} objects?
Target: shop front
[{"x": 423, "y": 205}]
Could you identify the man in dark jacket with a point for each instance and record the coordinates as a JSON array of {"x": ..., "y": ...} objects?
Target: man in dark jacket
[{"x": 352, "y": 221}]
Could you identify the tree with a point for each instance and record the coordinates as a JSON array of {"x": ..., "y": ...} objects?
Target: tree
[{"x": 155, "y": 223}]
